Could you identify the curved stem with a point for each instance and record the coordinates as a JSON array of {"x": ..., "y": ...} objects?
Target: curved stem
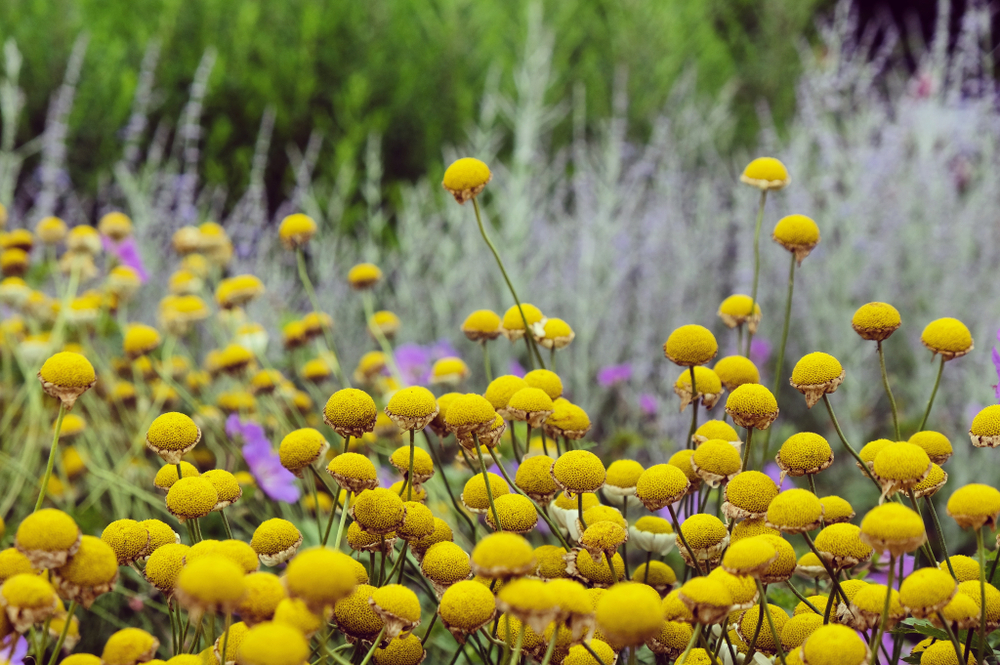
[
  {"x": 371, "y": 652},
  {"x": 877, "y": 636},
  {"x": 515, "y": 657},
  {"x": 694, "y": 640},
  {"x": 677, "y": 530},
  {"x": 529, "y": 339},
  {"x": 62, "y": 634},
  {"x": 850, "y": 449},
  {"x": 486, "y": 479},
  {"x": 538, "y": 509},
  {"x": 756, "y": 263},
  {"x": 888, "y": 390},
  {"x": 930, "y": 402},
  {"x": 327, "y": 333},
  {"x": 752, "y": 647},
  {"x": 784, "y": 342},
  {"x": 694, "y": 407},
  {"x": 225, "y": 524},
  {"x": 447, "y": 486},
  {"x": 579, "y": 511},
  {"x": 343, "y": 520},
  {"x": 770, "y": 621},
  {"x": 552, "y": 642},
  {"x": 486, "y": 362},
  {"x": 408, "y": 481},
  {"x": 798, "y": 594},
  {"x": 52, "y": 457},
  {"x": 982, "y": 594},
  {"x": 954, "y": 640},
  {"x": 611, "y": 567},
  {"x": 834, "y": 579},
  {"x": 746, "y": 449}
]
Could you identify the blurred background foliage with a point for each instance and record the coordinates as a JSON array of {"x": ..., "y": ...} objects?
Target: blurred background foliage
[{"x": 412, "y": 71}]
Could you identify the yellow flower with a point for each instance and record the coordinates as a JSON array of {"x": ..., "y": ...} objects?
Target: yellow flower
[
  {"x": 947, "y": 336},
  {"x": 834, "y": 645},
  {"x": 465, "y": 607},
  {"x": 795, "y": 511},
  {"x": 320, "y": 577},
  {"x": 708, "y": 387},
  {"x": 804, "y": 453},
  {"x": 92, "y": 571},
  {"x": 817, "y": 374},
  {"x": 128, "y": 539},
  {"x": 363, "y": 276},
  {"x": 926, "y": 591},
  {"x": 172, "y": 435},
  {"x": 210, "y": 583},
  {"x": 296, "y": 230},
  {"x": 985, "y": 429},
  {"x": 798, "y": 234},
  {"x": 50, "y": 230},
  {"x": 653, "y": 534},
  {"x": 836, "y": 509},
  {"x": 966, "y": 568},
  {"x": 474, "y": 495},
  {"x": 661, "y": 485},
  {"x": 876, "y": 321},
  {"x": 294, "y": 612},
  {"x": 567, "y": 420},
  {"x": 356, "y": 617},
  {"x": 894, "y": 528},
  {"x": 412, "y": 408},
  {"x": 378, "y": 510},
  {"x": 444, "y": 564},
  {"x": 470, "y": 414},
  {"x": 481, "y": 325},
  {"x": 579, "y": 471},
  {"x": 622, "y": 477},
  {"x": 48, "y": 537},
  {"x": 502, "y": 556},
  {"x": 708, "y": 600},
  {"x": 191, "y": 498},
  {"x": 557, "y": 334},
  {"x": 466, "y": 178},
  {"x": 747, "y": 627},
  {"x": 350, "y": 412},
  {"x": 691, "y": 345},
  {"x": 739, "y": 309},
  {"x": 750, "y": 556},
  {"x": 66, "y": 376},
  {"x": 13, "y": 262},
  {"x": 629, "y": 614},
  {"x": 765, "y": 173},
  {"x": 273, "y": 643},
  {"x": 237, "y": 291},
  {"x": 545, "y": 380},
  {"x": 716, "y": 462},
  {"x": 841, "y": 546},
  {"x": 226, "y": 486},
  {"x": 517, "y": 514},
  {"x": 403, "y": 650},
  {"x": 353, "y": 472},
  {"x": 752, "y": 406},
  {"x": 116, "y": 225},
  {"x": 900, "y": 466},
  {"x": 716, "y": 429},
  {"x": 398, "y": 607},
  {"x": 748, "y": 495},
  {"x": 513, "y": 323},
  {"x": 129, "y": 646},
  {"x": 734, "y": 371},
  {"x": 707, "y": 537},
  {"x": 974, "y": 505},
  {"x": 300, "y": 448}
]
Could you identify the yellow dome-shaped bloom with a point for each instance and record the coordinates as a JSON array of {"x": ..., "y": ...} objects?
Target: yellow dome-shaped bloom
[
  {"x": 534, "y": 479},
  {"x": 167, "y": 475},
  {"x": 116, "y": 225},
  {"x": 320, "y": 577},
  {"x": 275, "y": 541},
  {"x": 579, "y": 471},
  {"x": 748, "y": 494},
  {"x": 708, "y": 387},
  {"x": 296, "y": 230},
  {"x": 716, "y": 462},
  {"x": 985, "y": 429},
  {"x": 926, "y": 591},
  {"x": 750, "y": 556},
  {"x": 550, "y": 563},
  {"x": 355, "y": 615},
  {"x": 363, "y": 276},
  {"x": 804, "y": 453},
  {"x": 936, "y": 445},
  {"x": 403, "y": 650},
  {"x": 129, "y": 646},
  {"x": 568, "y": 420},
  {"x": 50, "y": 230},
  {"x": 353, "y": 471},
  {"x": 652, "y": 534},
  {"x": 466, "y": 178},
  {"x": 747, "y": 627},
  {"x": 834, "y": 645},
  {"x": 350, "y": 412},
  {"x": 765, "y": 173},
  {"x": 474, "y": 495},
  {"x": 546, "y": 380},
  {"x": 623, "y": 476},
  {"x": 470, "y": 413},
  {"x": 13, "y": 262},
  {"x": 445, "y": 563},
  {"x": 798, "y": 234},
  {"x": 412, "y": 408},
  {"x": 191, "y": 498},
  {"x": 172, "y": 435},
  {"x": 707, "y": 537},
  {"x": 48, "y": 537},
  {"x": 128, "y": 539},
  {"x": 841, "y": 546},
  {"x": 716, "y": 429},
  {"x": 900, "y": 466},
  {"x": 300, "y": 448},
  {"x": 974, "y": 505},
  {"x": 629, "y": 614},
  {"x": 797, "y": 629},
  {"x": 513, "y": 322},
  {"x": 739, "y": 309},
  {"x": 691, "y": 345},
  {"x": 483, "y": 324},
  {"x": 264, "y": 593},
  {"x": 836, "y": 509},
  {"x": 752, "y": 406},
  {"x": 164, "y": 565},
  {"x": 517, "y": 514},
  {"x": 817, "y": 374},
  {"x": 226, "y": 486},
  {"x": 139, "y": 340},
  {"x": 501, "y": 389},
  {"x": 294, "y": 612},
  {"x": 13, "y": 563},
  {"x": 708, "y": 600},
  {"x": 876, "y": 321},
  {"x": 557, "y": 334},
  {"x": 661, "y": 485},
  {"x": 423, "y": 464},
  {"x": 398, "y": 607},
  {"x": 502, "y": 556},
  {"x": 949, "y": 337},
  {"x": 753, "y": 527},
  {"x": 742, "y": 588},
  {"x": 211, "y": 583},
  {"x": 971, "y": 589},
  {"x": 465, "y": 607},
  {"x": 966, "y": 568},
  {"x": 66, "y": 376},
  {"x": 273, "y": 643},
  {"x": 378, "y": 510},
  {"x": 894, "y": 528},
  {"x": 795, "y": 511},
  {"x": 449, "y": 371},
  {"x": 734, "y": 371}
]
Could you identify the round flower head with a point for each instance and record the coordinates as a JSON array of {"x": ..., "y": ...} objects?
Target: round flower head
[
  {"x": 936, "y": 445},
  {"x": 449, "y": 371},
  {"x": 602, "y": 538},
  {"x": 628, "y": 614},
  {"x": 360, "y": 540},
  {"x": 378, "y": 511},
  {"x": 301, "y": 448},
  {"x": 840, "y": 545},
  {"x": 661, "y": 485},
  {"x": 363, "y": 276},
  {"x": 28, "y": 599},
  {"x": 557, "y": 334},
  {"x": 804, "y": 453},
  {"x": 750, "y": 556},
  {"x": 734, "y": 371},
  {"x": 971, "y": 589},
  {"x": 482, "y": 325},
  {"x": 423, "y": 464},
  {"x": 13, "y": 563},
  {"x": 465, "y": 607},
  {"x": 795, "y": 511},
  {"x": 533, "y": 478},
  {"x": 275, "y": 541},
  {"x": 985, "y": 429},
  {"x": 444, "y": 564},
  {"x": 747, "y": 627},
  {"x": 91, "y": 572},
  {"x": 226, "y": 486},
  {"x": 796, "y": 630},
  {"x": 798, "y": 234},
  {"x": 834, "y": 645},
  {"x": 403, "y": 650},
  {"x": 167, "y": 475},
  {"x": 191, "y": 498},
  {"x": 320, "y": 577},
  {"x": 708, "y": 387},
  {"x": 502, "y": 556},
  {"x": 517, "y": 514},
  {"x": 739, "y": 309},
  {"x": 116, "y": 225},
  {"x": 129, "y": 646},
  {"x": 752, "y": 406},
  {"x": 273, "y": 643},
  {"x": 940, "y": 653},
  {"x": 579, "y": 471},
  {"x": 743, "y": 589},
  {"x": 947, "y": 336},
  {"x": 765, "y": 173},
  {"x": 926, "y": 591},
  {"x": 412, "y": 408},
  {"x": 550, "y": 563},
  {"x": 296, "y": 230},
  {"x": 128, "y": 539},
  {"x": 470, "y": 414},
  {"x": 691, "y": 345},
  {"x": 930, "y": 485},
  {"x": 817, "y": 374},
  {"x": 836, "y": 509},
  {"x": 13, "y": 262},
  {"x": 294, "y": 612},
  {"x": 708, "y": 600},
  {"x": 961, "y": 613},
  {"x": 512, "y": 325},
  {"x": 707, "y": 537},
  {"x": 900, "y": 466},
  {"x": 501, "y": 389},
  {"x": 350, "y": 412},
  {"x": 748, "y": 494},
  {"x": 567, "y": 420},
  {"x": 48, "y": 537},
  {"x": 782, "y": 568},
  {"x": 139, "y": 340},
  {"x": 398, "y": 607},
  {"x": 164, "y": 565},
  {"x": 264, "y": 593},
  {"x": 974, "y": 505},
  {"x": 172, "y": 435},
  {"x": 237, "y": 291},
  {"x": 530, "y": 601},
  {"x": 716, "y": 429},
  {"x": 66, "y": 376},
  {"x": 652, "y": 534},
  {"x": 210, "y": 583},
  {"x": 466, "y": 178},
  {"x": 354, "y": 472},
  {"x": 531, "y": 405},
  {"x": 546, "y": 380},
  {"x": 893, "y": 528},
  {"x": 418, "y": 524},
  {"x": 622, "y": 477},
  {"x": 966, "y": 568},
  {"x": 876, "y": 321},
  {"x": 50, "y": 230},
  {"x": 716, "y": 462},
  {"x": 474, "y": 495}
]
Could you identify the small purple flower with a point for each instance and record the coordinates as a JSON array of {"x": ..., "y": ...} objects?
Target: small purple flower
[
  {"x": 772, "y": 471},
  {"x": 277, "y": 482},
  {"x": 442, "y": 349},
  {"x": 648, "y": 404},
  {"x": 882, "y": 574},
  {"x": 20, "y": 650},
  {"x": 516, "y": 369},
  {"x": 612, "y": 374},
  {"x": 414, "y": 363},
  {"x": 995, "y": 356},
  {"x": 127, "y": 253},
  {"x": 760, "y": 351}
]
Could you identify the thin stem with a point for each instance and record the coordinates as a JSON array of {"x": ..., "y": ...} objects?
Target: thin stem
[
  {"x": 694, "y": 640},
  {"x": 645, "y": 576},
  {"x": 225, "y": 524},
  {"x": 770, "y": 621},
  {"x": 315, "y": 495},
  {"x": 877, "y": 636},
  {"x": 756, "y": 262},
  {"x": 381, "y": 565},
  {"x": 538, "y": 509},
  {"x": 343, "y": 520},
  {"x": 593, "y": 654},
  {"x": 930, "y": 402},
  {"x": 746, "y": 449},
  {"x": 982, "y": 593},
  {"x": 430, "y": 627},
  {"x": 579, "y": 511},
  {"x": 677, "y": 530},
  {"x": 834, "y": 579},
  {"x": 327, "y": 333},
  {"x": 52, "y": 457},
  {"x": 371, "y": 652},
  {"x": 447, "y": 486},
  {"x": 954, "y": 640},
  {"x": 225, "y": 635},
  {"x": 515, "y": 657},
  {"x": 752, "y": 647},
  {"x": 529, "y": 340},
  {"x": 552, "y": 645},
  {"x": 62, "y": 634},
  {"x": 694, "y": 406},
  {"x": 798, "y": 594},
  {"x": 611, "y": 566},
  {"x": 784, "y": 341},
  {"x": 850, "y": 449},
  {"x": 486, "y": 361},
  {"x": 888, "y": 390},
  {"x": 486, "y": 479},
  {"x": 408, "y": 481}
]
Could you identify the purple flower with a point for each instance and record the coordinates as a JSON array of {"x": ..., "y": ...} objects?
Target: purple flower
[
  {"x": 648, "y": 404},
  {"x": 612, "y": 374},
  {"x": 127, "y": 253},
  {"x": 772, "y": 471},
  {"x": 995, "y": 355},
  {"x": 277, "y": 482},
  {"x": 760, "y": 351},
  {"x": 516, "y": 369},
  {"x": 882, "y": 575},
  {"x": 20, "y": 650},
  {"x": 442, "y": 349},
  {"x": 414, "y": 363}
]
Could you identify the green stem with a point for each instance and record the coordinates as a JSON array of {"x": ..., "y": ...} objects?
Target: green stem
[
  {"x": 611, "y": 566},
  {"x": 408, "y": 481},
  {"x": 829, "y": 571},
  {"x": 529, "y": 340},
  {"x": 850, "y": 449},
  {"x": 954, "y": 640},
  {"x": 447, "y": 485},
  {"x": 538, "y": 509},
  {"x": 52, "y": 457},
  {"x": 371, "y": 652},
  {"x": 593, "y": 654},
  {"x": 486, "y": 479},
  {"x": 798, "y": 594},
  {"x": 781, "y": 347},
  {"x": 62, "y": 634},
  {"x": 756, "y": 263},
  {"x": 343, "y": 520},
  {"x": 225, "y": 635},
  {"x": 877, "y": 636},
  {"x": 327, "y": 333},
  {"x": 694, "y": 640},
  {"x": 486, "y": 361},
  {"x": 770, "y": 621},
  {"x": 552, "y": 643},
  {"x": 677, "y": 530},
  {"x": 225, "y": 524},
  {"x": 579, "y": 512},
  {"x": 940, "y": 534},
  {"x": 746, "y": 449},
  {"x": 515, "y": 657},
  {"x": 982, "y": 593},
  {"x": 888, "y": 390},
  {"x": 315, "y": 494},
  {"x": 694, "y": 407},
  {"x": 383, "y": 342},
  {"x": 930, "y": 402},
  {"x": 381, "y": 565},
  {"x": 752, "y": 647}
]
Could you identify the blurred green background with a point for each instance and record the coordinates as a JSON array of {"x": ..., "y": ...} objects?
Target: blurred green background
[{"x": 410, "y": 70}]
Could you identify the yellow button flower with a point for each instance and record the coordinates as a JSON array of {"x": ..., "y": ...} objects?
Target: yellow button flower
[
  {"x": 503, "y": 556},
  {"x": 926, "y": 591},
  {"x": 691, "y": 345},
  {"x": 795, "y": 511},
  {"x": 481, "y": 325},
  {"x": 661, "y": 485},
  {"x": 567, "y": 420},
  {"x": 363, "y": 276},
  {"x": 708, "y": 600},
  {"x": 841, "y": 546},
  {"x": 444, "y": 564},
  {"x": 466, "y": 607},
  {"x": 798, "y": 234},
  {"x": 513, "y": 322},
  {"x": 834, "y": 645},
  {"x": 48, "y": 537},
  {"x": 91, "y": 572},
  {"x": 579, "y": 471},
  {"x": 296, "y": 230},
  {"x": 893, "y": 528},
  {"x": 128, "y": 539},
  {"x": 466, "y": 178},
  {"x": 734, "y": 371},
  {"x": 974, "y": 505},
  {"x": 629, "y": 614},
  {"x": 273, "y": 643},
  {"x": 28, "y": 599},
  {"x": 748, "y": 494},
  {"x": 985, "y": 429},
  {"x": 765, "y": 173},
  {"x": 708, "y": 387},
  {"x": 66, "y": 376},
  {"x": 817, "y": 374},
  {"x": 947, "y": 336},
  {"x": 739, "y": 309},
  {"x": 876, "y": 321},
  {"x": 804, "y": 453},
  {"x": 752, "y": 406},
  {"x": 320, "y": 577},
  {"x": 350, "y": 412},
  {"x": 191, "y": 498},
  {"x": 129, "y": 646},
  {"x": 412, "y": 408},
  {"x": 172, "y": 435}
]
